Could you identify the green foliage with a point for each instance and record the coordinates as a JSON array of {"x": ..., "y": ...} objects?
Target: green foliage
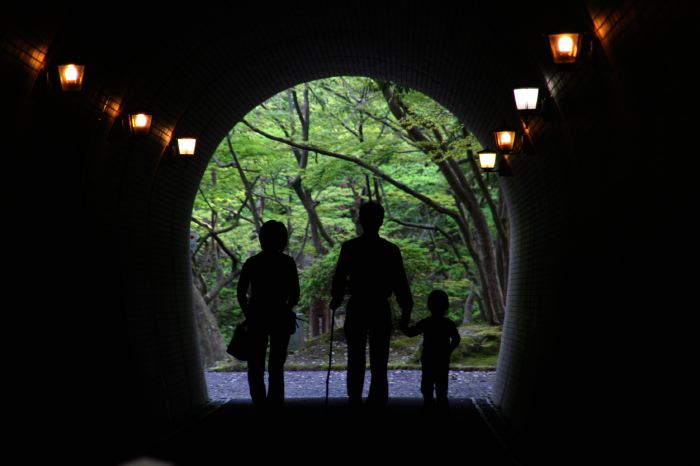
[
  {"x": 315, "y": 281},
  {"x": 348, "y": 115}
]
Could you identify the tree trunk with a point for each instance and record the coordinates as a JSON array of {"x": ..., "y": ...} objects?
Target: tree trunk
[
  {"x": 247, "y": 185},
  {"x": 485, "y": 256},
  {"x": 314, "y": 221},
  {"x": 212, "y": 347},
  {"x": 468, "y": 307},
  {"x": 303, "y": 113},
  {"x": 502, "y": 250},
  {"x": 463, "y": 225},
  {"x": 491, "y": 284}
]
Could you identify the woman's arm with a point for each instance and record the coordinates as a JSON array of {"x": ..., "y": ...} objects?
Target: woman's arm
[
  {"x": 454, "y": 336},
  {"x": 242, "y": 288}
]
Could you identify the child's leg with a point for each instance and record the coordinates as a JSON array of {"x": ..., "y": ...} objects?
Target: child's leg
[
  {"x": 427, "y": 383},
  {"x": 441, "y": 379}
]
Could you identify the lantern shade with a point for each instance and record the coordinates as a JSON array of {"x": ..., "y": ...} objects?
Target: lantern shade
[
  {"x": 526, "y": 98},
  {"x": 505, "y": 139},
  {"x": 564, "y": 47},
  {"x": 185, "y": 146},
  {"x": 71, "y": 76},
  {"x": 140, "y": 123},
  {"x": 487, "y": 160}
]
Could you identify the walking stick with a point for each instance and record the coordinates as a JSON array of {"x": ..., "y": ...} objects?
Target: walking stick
[{"x": 330, "y": 356}]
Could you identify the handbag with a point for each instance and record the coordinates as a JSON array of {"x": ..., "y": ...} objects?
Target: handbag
[{"x": 239, "y": 346}]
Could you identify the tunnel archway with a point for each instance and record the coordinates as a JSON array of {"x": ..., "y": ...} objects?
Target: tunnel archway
[{"x": 135, "y": 206}]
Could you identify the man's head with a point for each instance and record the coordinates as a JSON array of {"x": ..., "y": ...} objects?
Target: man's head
[
  {"x": 438, "y": 302},
  {"x": 273, "y": 236},
  {"x": 371, "y": 216}
]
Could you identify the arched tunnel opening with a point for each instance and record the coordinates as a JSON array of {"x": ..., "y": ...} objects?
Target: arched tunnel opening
[
  {"x": 266, "y": 168},
  {"x": 123, "y": 363}
]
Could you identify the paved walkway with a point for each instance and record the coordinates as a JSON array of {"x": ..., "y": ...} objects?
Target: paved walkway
[{"x": 312, "y": 384}]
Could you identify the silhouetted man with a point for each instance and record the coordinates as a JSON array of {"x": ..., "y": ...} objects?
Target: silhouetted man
[
  {"x": 268, "y": 289},
  {"x": 370, "y": 269}
]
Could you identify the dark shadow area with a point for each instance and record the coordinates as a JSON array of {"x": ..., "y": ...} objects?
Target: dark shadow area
[{"x": 306, "y": 432}]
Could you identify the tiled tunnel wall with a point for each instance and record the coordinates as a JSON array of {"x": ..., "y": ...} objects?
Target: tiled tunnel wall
[{"x": 121, "y": 206}]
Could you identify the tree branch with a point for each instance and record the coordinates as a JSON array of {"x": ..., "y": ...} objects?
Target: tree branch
[{"x": 349, "y": 158}]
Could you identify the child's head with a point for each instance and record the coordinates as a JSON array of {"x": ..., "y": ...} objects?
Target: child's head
[
  {"x": 438, "y": 302},
  {"x": 273, "y": 236}
]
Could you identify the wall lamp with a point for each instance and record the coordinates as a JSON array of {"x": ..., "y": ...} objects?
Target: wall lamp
[
  {"x": 487, "y": 160},
  {"x": 508, "y": 142},
  {"x": 185, "y": 146},
  {"x": 71, "y": 76},
  {"x": 565, "y": 47},
  {"x": 490, "y": 162},
  {"x": 139, "y": 123},
  {"x": 507, "y": 139},
  {"x": 526, "y": 101},
  {"x": 182, "y": 148}
]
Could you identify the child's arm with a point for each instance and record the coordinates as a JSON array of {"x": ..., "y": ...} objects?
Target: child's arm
[
  {"x": 454, "y": 336},
  {"x": 414, "y": 330}
]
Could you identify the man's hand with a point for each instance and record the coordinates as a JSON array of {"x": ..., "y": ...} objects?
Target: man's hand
[{"x": 403, "y": 324}]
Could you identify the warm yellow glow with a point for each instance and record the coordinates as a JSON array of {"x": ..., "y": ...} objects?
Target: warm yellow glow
[
  {"x": 186, "y": 146},
  {"x": 487, "y": 160},
  {"x": 565, "y": 45},
  {"x": 140, "y": 123},
  {"x": 505, "y": 138},
  {"x": 71, "y": 76},
  {"x": 29, "y": 53},
  {"x": 70, "y": 73}
]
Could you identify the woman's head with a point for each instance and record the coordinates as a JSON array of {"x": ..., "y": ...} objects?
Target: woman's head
[{"x": 273, "y": 236}]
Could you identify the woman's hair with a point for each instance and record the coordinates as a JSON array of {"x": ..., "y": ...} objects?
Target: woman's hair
[{"x": 273, "y": 236}]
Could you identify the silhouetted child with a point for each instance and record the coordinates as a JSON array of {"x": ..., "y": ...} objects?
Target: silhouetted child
[
  {"x": 440, "y": 338},
  {"x": 268, "y": 289}
]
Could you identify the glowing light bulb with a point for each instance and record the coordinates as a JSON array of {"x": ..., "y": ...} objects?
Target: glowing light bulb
[
  {"x": 487, "y": 160},
  {"x": 70, "y": 73},
  {"x": 140, "y": 120},
  {"x": 565, "y": 44},
  {"x": 71, "y": 76}
]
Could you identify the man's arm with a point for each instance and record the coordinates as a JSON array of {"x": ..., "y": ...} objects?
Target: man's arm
[
  {"x": 402, "y": 290},
  {"x": 414, "y": 330},
  {"x": 340, "y": 278}
]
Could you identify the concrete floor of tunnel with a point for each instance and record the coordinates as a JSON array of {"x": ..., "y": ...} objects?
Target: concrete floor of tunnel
[{"x": 306, "y": 430}]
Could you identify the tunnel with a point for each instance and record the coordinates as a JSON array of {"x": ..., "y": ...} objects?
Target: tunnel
[{"x": 98, "y": 220}]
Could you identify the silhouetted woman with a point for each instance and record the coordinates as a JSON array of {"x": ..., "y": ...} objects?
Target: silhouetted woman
[{"x": 268, "y": 289}]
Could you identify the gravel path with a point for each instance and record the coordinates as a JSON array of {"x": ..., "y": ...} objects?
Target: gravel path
[{"x": 312, "y": 384}]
